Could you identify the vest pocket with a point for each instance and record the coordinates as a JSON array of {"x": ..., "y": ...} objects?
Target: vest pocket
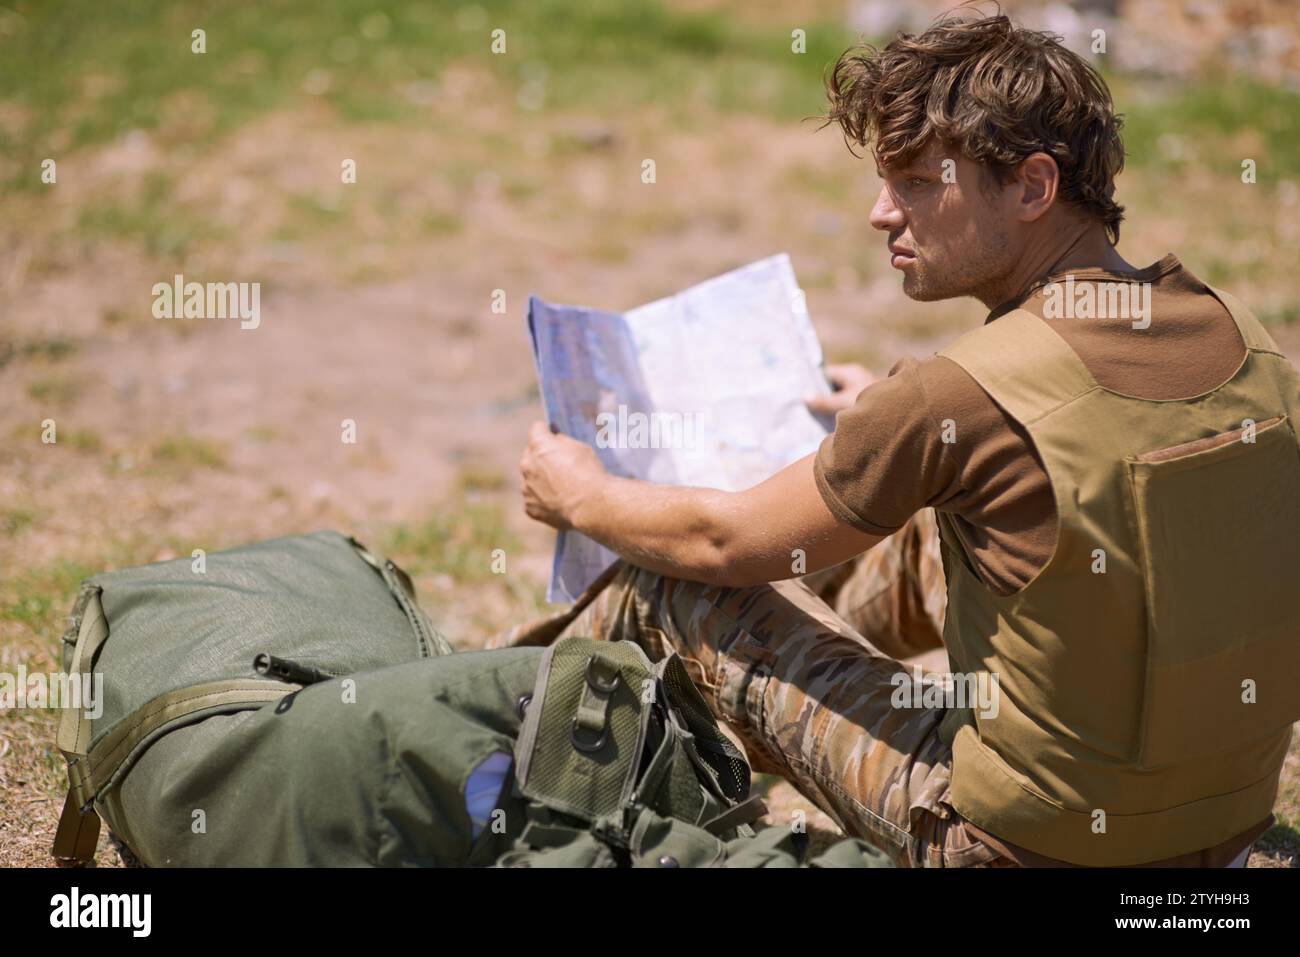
[{"x": 1219, "y": 522}]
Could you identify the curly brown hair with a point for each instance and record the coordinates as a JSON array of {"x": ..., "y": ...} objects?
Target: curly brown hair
[{"x": 995, "y": 93}]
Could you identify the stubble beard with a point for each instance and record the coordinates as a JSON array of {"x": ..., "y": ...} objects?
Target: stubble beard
[{"x": 979, "y": 275}]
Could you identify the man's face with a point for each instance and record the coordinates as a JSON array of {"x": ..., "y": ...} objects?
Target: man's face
[{"x": 947, "y": 229}]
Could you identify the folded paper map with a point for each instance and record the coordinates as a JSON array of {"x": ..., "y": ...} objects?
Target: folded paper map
[{"x": 703, "y": 388}]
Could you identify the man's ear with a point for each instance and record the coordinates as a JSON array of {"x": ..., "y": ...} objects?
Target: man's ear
[{"x": 1038, "y": 178}]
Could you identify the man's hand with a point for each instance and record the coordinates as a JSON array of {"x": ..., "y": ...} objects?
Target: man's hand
[
  {"x": 849, "y": 378},
  {"x": 557, "y": 471}
]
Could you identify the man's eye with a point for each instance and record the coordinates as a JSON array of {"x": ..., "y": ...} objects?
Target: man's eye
[{"x": 916, "y": 182}]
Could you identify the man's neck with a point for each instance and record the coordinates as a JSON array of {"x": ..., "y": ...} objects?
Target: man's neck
[{"x": 1087, "y": 247}]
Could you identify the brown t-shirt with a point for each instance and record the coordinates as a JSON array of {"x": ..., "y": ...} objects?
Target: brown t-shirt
[{"x": 887, "y": 458}]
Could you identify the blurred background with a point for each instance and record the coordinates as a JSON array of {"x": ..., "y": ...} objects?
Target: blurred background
[{"x": 479, "y": 175}]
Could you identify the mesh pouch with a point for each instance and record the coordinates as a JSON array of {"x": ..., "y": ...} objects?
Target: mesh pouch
[{"x": 607, "y": 732}]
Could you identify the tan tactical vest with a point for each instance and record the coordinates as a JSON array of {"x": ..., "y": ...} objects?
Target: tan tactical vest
[{"x": 1149, "y": 674}]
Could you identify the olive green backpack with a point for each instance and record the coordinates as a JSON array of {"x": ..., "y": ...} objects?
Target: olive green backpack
[{"x": 288, "y": 703}]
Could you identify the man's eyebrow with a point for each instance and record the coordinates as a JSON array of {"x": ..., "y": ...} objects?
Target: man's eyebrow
[{"x": 911, "y": 169}]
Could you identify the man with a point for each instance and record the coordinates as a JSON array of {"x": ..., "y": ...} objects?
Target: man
[{"x": 1107, "y": 471}]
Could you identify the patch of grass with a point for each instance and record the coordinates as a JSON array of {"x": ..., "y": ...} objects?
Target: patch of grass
[
  {"x": 1282, "y": 315},
  {"x": 480, "y": 477},
  {"x": 457, "y": 540},
  {"x": 931, "y": 322},
  {"x": 83, "y": 440},
  {"x": 863, "y": 354},
  {"x": 153, "y": 220},
  {"x": 519, "y": 189},
  {"x": 46, "y": 350},
  {"x": 59, "y": 390},
  {"x": 31, "y": 437},
  {"x": 1218, "y": 271},
  {"x": 83, "y": 72},
  {"x": 1209, "y": 122},
  {"x": 51, "y": 349},
  {"x": 262, "y": 433},
  {"x": 37, "y": 598},
  {"x": 313, "y": 212},
  {"x": 829, "y": 185},
  {"x": 361, "y": 274},
  {"x": 438, "y": 223},
  {"x": 607, "y": 248},
  {"x": 14, "y": 520},
  {"x": 189, "y": 451},
  {"x": 817, "y": 279},
  {"x": 1282, "y": 840},
  {"x": 657, "y": 220}
]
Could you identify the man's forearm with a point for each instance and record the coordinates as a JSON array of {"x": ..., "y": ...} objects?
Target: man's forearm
[
  {"x": 780, "y": 528},
  {"x": 675, "y": 531}
]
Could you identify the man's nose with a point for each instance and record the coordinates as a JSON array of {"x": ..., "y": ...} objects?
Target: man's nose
[{"x": 886, "y": 215}]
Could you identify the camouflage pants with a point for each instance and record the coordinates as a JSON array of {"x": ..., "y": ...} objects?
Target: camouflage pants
[{"x": 801, "y": 672}]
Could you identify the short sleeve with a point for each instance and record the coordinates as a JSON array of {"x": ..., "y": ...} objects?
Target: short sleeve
[{"x": 925, "y": 436}]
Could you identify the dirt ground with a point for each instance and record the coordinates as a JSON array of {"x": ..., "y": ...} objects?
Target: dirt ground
[{"x": 376, "y": 307}]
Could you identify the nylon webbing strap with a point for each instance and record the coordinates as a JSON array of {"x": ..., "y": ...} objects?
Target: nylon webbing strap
[
  {"x": 74, "y": 725},
  {"x": 746, "y": 812},
  {"x": 659, "y": 764},
  {"x": 593, "y": 707},
  {"x": 541, "y": 832},
  {"x": 108, "y": 753},
  {"x": 78, "y": 830},
  {"x": 77, "y": 834},
  {"x": 432, "y": 642}
]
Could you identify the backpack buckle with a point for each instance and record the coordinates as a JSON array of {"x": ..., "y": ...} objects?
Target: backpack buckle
[
  {"x": 603, "y": 680},
  {"x": 588, "y": 747},
  {"x": 604, "y": 683}
]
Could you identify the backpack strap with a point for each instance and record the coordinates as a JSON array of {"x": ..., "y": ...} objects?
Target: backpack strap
[
  {"x": 114, "y": 750},
  {"x": 78, "y": 830},
  {"x": 432, "y": 641},
  {"x": 746, "y": 812}
]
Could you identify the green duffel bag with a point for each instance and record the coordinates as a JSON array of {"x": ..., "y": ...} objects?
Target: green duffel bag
[
  {"x": 175, "y": 643},
  {"x": 291, "y": 705}
]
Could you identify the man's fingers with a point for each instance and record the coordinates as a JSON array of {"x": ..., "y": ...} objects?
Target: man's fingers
[
  {"x": 824, "y": 404},
  {"x": 850, "y": 375},
  {"x": 837, "y": 371}
]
